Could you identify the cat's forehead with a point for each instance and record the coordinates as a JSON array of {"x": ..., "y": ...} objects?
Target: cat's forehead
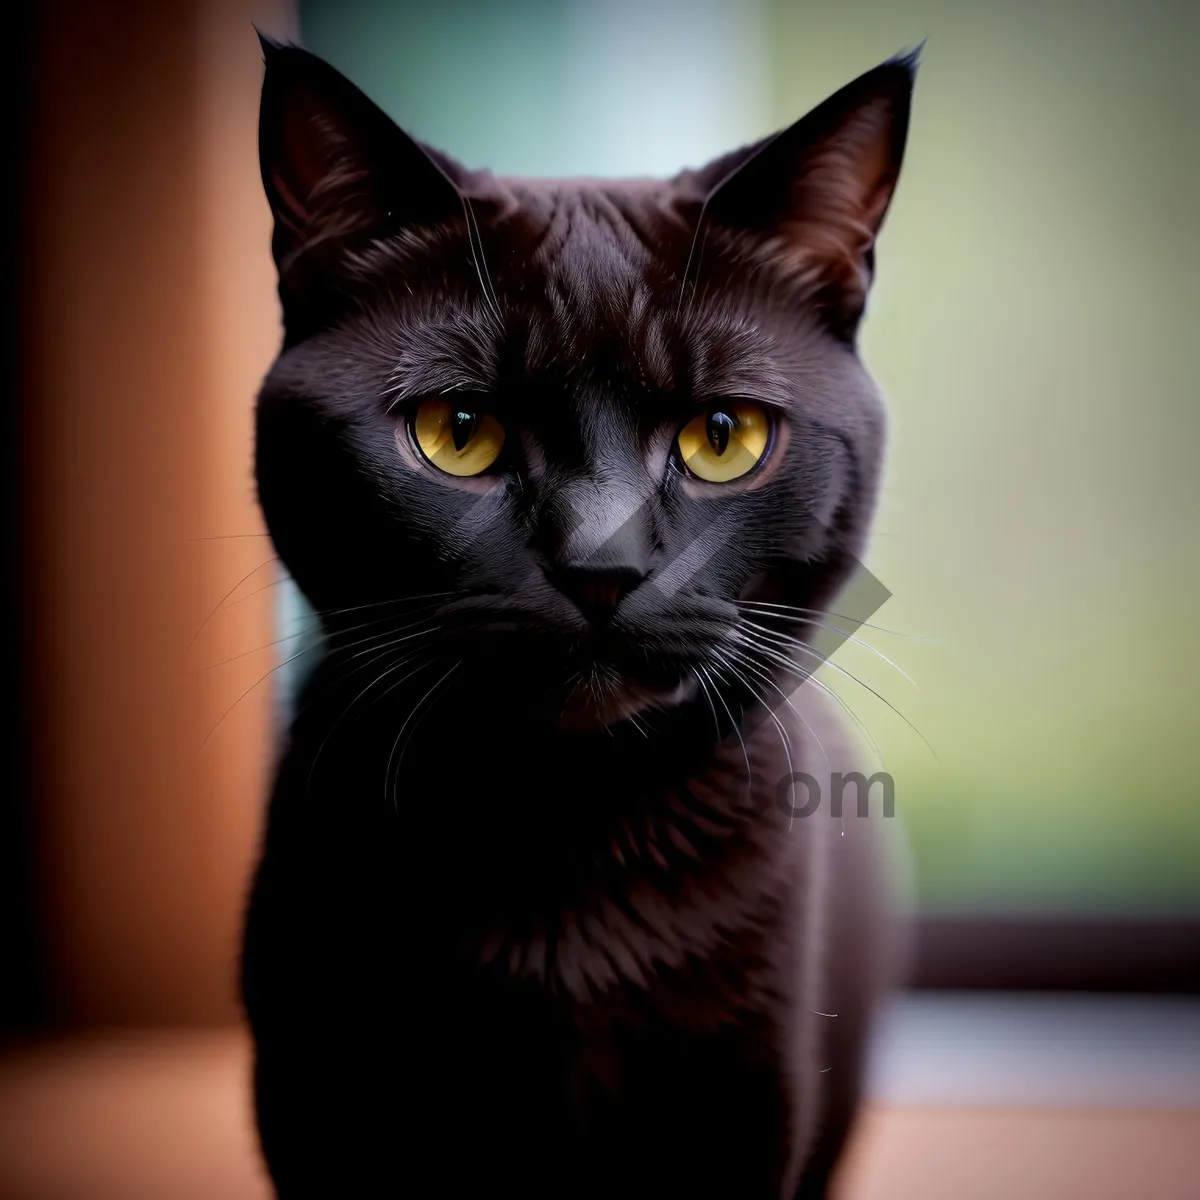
[
  {"x": 579, "y": 284},
  {"x": 556, "y": 345},
  {"x": 602, "y": 278},
  {"x": 592, "y": 244}
]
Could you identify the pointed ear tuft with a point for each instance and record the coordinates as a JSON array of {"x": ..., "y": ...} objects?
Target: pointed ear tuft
[
  {"x": 812, "y": 198},
  {"x": 338, "y": 172},
  {"x": 268, "y": 44}
]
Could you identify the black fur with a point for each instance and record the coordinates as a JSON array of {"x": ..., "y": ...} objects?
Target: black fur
[{"x": 520, "y": 923}]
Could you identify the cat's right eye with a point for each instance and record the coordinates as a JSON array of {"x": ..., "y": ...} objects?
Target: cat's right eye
[{"x": 458, "y": 438}]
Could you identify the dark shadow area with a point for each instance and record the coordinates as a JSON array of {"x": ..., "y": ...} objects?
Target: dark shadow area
[{"x": 21, "y": 997}]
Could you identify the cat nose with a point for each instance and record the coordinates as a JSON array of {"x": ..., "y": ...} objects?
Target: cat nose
[{"x": 597, "y": 592}]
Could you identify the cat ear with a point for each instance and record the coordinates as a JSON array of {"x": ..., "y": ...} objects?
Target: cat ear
[
  {"x": 814, "y": 196},
  {"x": 338, "y": 172}
]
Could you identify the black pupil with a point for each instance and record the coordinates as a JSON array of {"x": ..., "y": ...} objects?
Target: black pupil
[
  {"x": 720, "y": 425},
  {"x": 462, "y": 428}
]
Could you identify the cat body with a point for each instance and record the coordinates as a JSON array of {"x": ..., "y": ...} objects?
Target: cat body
[
  {"x": 527, "y": 983},
  {"x": 569, "y": 470}
]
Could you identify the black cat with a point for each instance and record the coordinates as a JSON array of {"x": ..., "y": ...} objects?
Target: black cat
[{"x": 571, "y": 472}]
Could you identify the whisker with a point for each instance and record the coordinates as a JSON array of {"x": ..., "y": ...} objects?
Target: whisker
[
  {"x": 570, "y": 687},
  {"x": 265, "y": 588},
  {"x": 343, "y": 673},
  {"x": 262, "y": 679},
  {"x": 336, "y": 612},
  {"x": 597, "y": 690},
  {"x": 221, "y": 603},
  {"x": 220, "y": 537},
  {"x": 806, "y": 676},
  {"x": 819, "y": 612},
  {"x": 394, "y": 642},
  {"x": 736, "y": 730},
  {"x": 851, "y": 676},
  {"x": 291, "y": 637},
  {"x": 704, "y": 689},
  {"x": 687, "y": 268},
  {"x": 340, "y": 674},
  {"x": 785, "y": 741},
  {"x": 832, "y": 629},
  {"x": 762, "y": 673},
  {"x": 346, "y": 711},
  {"x": 416, "y": 708},
  {"x": 748, "y": 662},
  {"x": 334, "y": 638},
  {"x": 327, "y": 642},
  {"x": 475, "y": 239}
]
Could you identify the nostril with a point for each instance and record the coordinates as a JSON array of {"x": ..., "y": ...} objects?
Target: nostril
[{"x": 597, "y": 593}]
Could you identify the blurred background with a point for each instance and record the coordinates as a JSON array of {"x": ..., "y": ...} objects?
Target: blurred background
[{"x": 1032, "y": 325}]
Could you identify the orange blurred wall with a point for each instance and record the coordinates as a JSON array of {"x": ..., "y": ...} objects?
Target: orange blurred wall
[{"x": 151, "y": 316}]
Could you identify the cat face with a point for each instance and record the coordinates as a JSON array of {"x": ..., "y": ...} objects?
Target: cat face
[{"x": 570, "y": 425}]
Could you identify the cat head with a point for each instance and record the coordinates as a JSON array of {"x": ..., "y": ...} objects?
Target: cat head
[{"x": 570, "y": 430}]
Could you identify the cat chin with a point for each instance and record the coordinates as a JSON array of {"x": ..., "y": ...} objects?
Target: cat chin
[{"x": 586, "y": 712}]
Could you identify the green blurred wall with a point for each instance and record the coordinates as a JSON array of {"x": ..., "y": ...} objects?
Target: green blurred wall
[{"x": 1033, "y": 325}]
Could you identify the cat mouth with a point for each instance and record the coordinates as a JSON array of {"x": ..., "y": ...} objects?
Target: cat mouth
[
  {"x": 614, "y": 679},
  {"x": 599, "y": 699},
  {"x": 579, "y": 679}
]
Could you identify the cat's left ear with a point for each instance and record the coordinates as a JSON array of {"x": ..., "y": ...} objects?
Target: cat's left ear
[{"x": 812, "y": 198}]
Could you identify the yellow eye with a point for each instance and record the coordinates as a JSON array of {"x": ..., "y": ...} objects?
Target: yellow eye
[
  {"x": 726, "y": 442},
  {"x": 457, "y": 438}
]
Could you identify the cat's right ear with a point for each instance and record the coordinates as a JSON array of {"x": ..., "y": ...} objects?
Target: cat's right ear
[{"x": 338, "y": 172}]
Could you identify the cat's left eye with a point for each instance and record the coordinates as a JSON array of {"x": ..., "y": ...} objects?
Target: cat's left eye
[
  {"x": 458, "y": 438},
  {"x": 726, "y": 442}
]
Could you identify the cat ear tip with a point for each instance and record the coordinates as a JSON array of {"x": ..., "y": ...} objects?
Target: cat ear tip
[
  {"x": 910, "y": 60},
  {"x": 272, "y": 48}
]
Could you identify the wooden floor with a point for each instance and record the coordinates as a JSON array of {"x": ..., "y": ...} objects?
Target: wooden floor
[{"x": 165, "y": 1117}]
